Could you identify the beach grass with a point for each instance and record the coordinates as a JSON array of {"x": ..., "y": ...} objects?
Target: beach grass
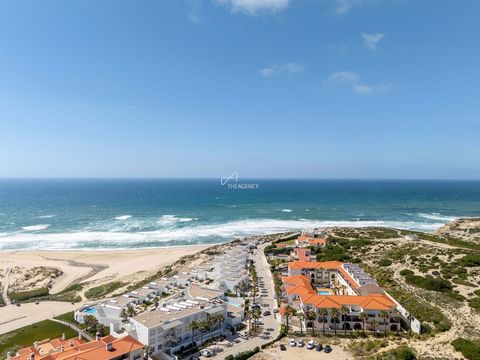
[
  {"x": 102, "y": 290},
  {"x": 26, "y": 336},
  {"x": 68, "y": 317},
  {"x": 26, "y": 295}
]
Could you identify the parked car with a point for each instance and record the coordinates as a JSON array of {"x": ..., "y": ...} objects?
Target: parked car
[
  {"x": 283, "y": 347},
  {"x": 194, "y": 358},
  {"x": 270, "y": 329},
  {"x": 319, "y": 347},
  {"x": 327, "y": 349},
  {"x": 292, "y": 342},
  {"x": 300, "y": 343},
  {"x": 275, "y": 311},
  {"x": 266, "y": 313},
  {"x": 206, "y": 352},
  {"x": 310, "y": 345}
]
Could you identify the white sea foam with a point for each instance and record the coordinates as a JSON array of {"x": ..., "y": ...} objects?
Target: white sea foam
[
  {"x": 45, "y": 216},
  {"x": 286, "y": 210},
  {"x": 123, "y": 217},
  {"x": 437, "y": 217},
  {"x": 36, "y": 227},
  {"x": 190, "y": 234},
  {"x": 167, "y": 220}
]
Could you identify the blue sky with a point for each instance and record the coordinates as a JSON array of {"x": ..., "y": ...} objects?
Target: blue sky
[{"x": 268, "y": 88}]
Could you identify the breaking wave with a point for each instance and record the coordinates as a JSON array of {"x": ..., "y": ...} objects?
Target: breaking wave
[
  {"x": 437, "y": 217},
  {"x": 36, "y": 227},
  {"x": 189, "y": 233},
  {"x": 123, "y": 217}
]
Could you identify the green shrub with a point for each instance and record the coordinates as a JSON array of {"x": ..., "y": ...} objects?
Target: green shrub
[
  {"x": 102, "y": 290},
  {"x": 475, "y": 303},
  {"x": 429, "y": 282},
  {"x": 385, "y": 262},
  {"x": 468, "y": 348},
  {"x": 26, "y": 295},
  {"x": 470, "y": 260},
  {"x": 406, "y": 272}
]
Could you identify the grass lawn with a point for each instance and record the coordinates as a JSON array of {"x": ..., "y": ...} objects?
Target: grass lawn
[
  {"x": 69, "y": 316},
  {"x": 27, "y": 335}
]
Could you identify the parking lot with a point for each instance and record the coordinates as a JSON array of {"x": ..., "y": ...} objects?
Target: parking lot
[{"x": 297, "y": 353}]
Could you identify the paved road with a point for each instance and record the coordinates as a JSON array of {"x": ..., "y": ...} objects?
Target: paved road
[
  {"x": 76, "y": 328},
  {"x": 6, "y": 281},
  {"x": 263, "y": 271}
]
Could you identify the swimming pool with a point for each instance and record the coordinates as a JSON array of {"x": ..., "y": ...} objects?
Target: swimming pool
[
  {"x": 322, "y": 292},
  {"x": 90, "y": 311}
]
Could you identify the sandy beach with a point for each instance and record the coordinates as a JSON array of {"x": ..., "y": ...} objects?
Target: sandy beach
[{"x": 94, "y": 267}]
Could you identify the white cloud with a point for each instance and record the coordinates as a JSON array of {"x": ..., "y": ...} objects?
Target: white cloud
[
  {"x": 352, "y": 80},
  {"x": 195, "y": 13},
  {"x": 254, "y": 7},
  {"x": 372, "y": 40},
  {"x": 290, "y": 68},
  {"x": 344, "y": 6},
  {"x": 343, "y": 77}
]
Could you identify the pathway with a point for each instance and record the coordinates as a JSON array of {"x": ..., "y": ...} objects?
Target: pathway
[
  {"x": 6, "y": 299},
  {"x": 76, "y": 328}
]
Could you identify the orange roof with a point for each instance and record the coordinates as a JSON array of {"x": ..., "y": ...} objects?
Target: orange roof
[
  {"x": 75, "y": 349},
  {"x": 314, "y": 264},
  {"x": 303, "y": 254},
  {"x": 347, "y": 277},
  {"x": 317, "y": 241},
  {"x": 282, "y": 310},
  {"x": 369, "y": 302}
]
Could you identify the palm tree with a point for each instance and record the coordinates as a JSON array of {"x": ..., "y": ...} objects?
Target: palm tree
[
  {"x": 373, "y": 324},
  {"x": 202, "y": 325},
  {"x": 194, "y": 325},
  {"x": 334, "y": 315},
  {"x": 256, "y": 315},
  {"x": 124, "y": 315},
  {"x": 396, "y": 314},
  {"x": 364, "y": 317},
  {"x": 311, "y": 316},
  {"x": 384, "y": 314},
  {"x": 323, "y": 313},
  {"x": 300, "y": 318},
  {"x": 131, "y": 311},
  {"x": 289, "y": 311},
  {"x": 210, "y": 324},
  {"x": 410, "y": 320},
  {"x": 249, "y": 315},
  {"x": 345, "y": 311},
  {"x": 156, "y": 301},
  {"x": 219, "y": 321}
]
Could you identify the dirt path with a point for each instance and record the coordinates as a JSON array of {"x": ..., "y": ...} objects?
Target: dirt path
[{"x": 6, "y": 281}]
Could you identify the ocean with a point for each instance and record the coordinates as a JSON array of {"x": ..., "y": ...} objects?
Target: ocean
[{"x": 64, "y": 214}]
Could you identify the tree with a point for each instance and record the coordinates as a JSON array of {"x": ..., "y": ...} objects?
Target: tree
[
  {"x": 384, "y": 314},
  {"x": 249, "y": 316},
  {"x": 334, "y": 315},
  {"x": 323, "y": 313},
  {"x": 345, "y": 311},
  {"x": 124, "y": 315},
  {"x": 364, "y": 317},
  {"x": 289, "y": 311},
  {"x": 300, "y": 318},
  {"x": 147, "y": 352},
  {"x": 256, "y": 315},
  {"x": 91, "y": 324},
  {"x": 210, "y": 324},
  {"x": 219, "y": 318},
  {"x": 396, "y": 315},
  {"x": 202, "y": 326},
  {"x": 311, "y": 316},
  {"x": 193, "y": 326},
  {"x": 156, "y": 301},
  {"x": 373, "y": 324},
  {"x": 131, "y": 311}
]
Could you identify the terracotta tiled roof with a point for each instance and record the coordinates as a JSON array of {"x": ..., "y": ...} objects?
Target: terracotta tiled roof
[
  {"x": 314, "y": 265},
  {"x": 75, "y": 349}
]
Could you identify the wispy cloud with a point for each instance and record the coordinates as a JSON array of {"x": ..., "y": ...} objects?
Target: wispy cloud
[
  {"x": 290, "y": 68},
  {"x": 352, "y": 80},
  {"x": 344, "y": 6},
  {"x": 195, "y": 11},
  {"x": 254, "y": 7},
  {"x": 372, "y": 40}
]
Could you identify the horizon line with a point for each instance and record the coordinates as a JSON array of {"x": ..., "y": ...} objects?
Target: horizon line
[{"x": 217, "y": 178}]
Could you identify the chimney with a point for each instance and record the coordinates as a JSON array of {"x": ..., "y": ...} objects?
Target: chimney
[
  {"x": 79, "y": 336},
  {"x": 63, "y": 336},
  {"x": 32, "y": 356},
  {"x": 98, "y": 336},
  {"x": 61, "y": 348},
  {"x": 9, "y": 355},
  {"x": 35, "y": 345},
  {"x": 109, "y": 346}
]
